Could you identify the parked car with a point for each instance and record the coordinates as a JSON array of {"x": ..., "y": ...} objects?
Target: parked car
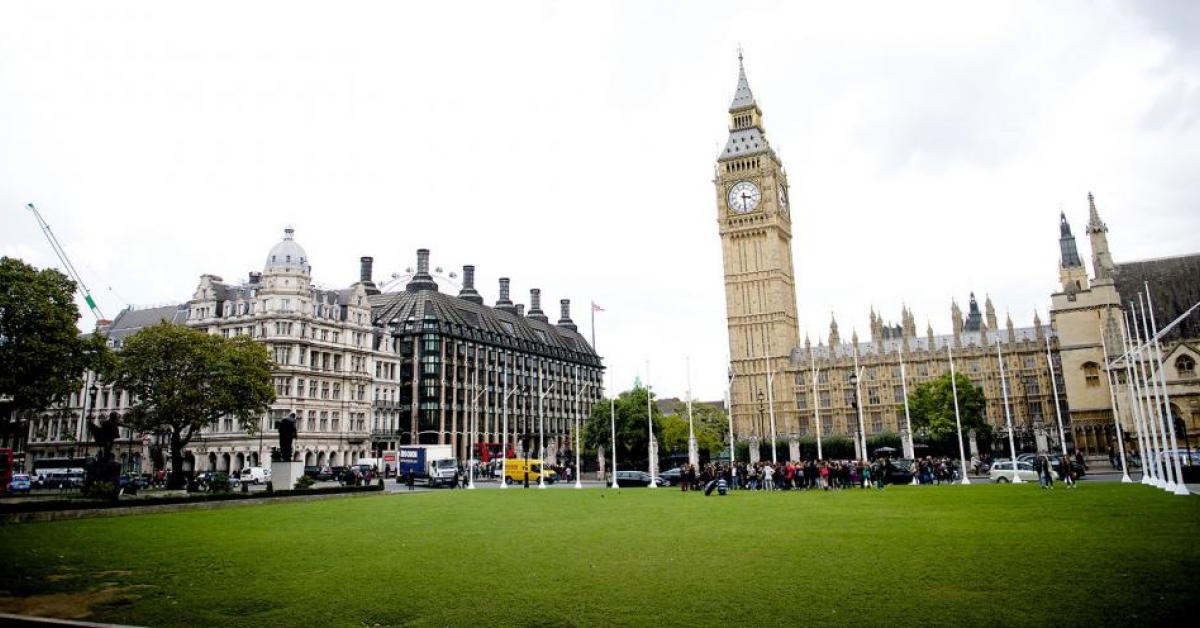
[
  {"x": 64, "y": 479},
  {"x": 636, "y": 478},
  {"x": 320, "y": 474},
  {"x": 256, "y": 475},
  {"x": 20, "y": 483},
  {"x": 337, "y": 473},
  {"x": 1002, "y": 472},
  {"x": 672, "y": 476}
]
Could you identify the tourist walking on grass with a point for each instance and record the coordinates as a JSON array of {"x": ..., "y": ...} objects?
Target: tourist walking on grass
[{"x": 1047, "y": 472}]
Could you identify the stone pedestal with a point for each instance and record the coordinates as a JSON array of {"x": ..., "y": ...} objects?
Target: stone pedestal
[
  {"x": 793, "y": 449},
  {"x": 285, "y": 474},
  {"x": 754, "y": 450},
  {"x": 973, "y": 443},
  {"x": 600, "y": 463},
  {"x": 693, "y": 452}
]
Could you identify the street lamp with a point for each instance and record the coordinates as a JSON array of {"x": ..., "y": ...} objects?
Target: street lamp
[{"x": 758, "y": 429}]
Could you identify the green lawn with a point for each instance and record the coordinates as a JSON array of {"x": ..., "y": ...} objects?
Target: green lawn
[{"x": 971, "y": 556}]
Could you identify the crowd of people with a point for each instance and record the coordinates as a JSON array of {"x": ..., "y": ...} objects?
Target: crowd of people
[{"x": 820, "y": 474}]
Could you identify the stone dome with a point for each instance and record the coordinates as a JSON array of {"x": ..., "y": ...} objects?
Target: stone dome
[{"x": 287, "y": 256}]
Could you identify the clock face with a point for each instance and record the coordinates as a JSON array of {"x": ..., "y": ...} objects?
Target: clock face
[{"x": 743, "y": 197}]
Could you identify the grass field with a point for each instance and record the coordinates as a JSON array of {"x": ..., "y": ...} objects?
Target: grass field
[{"x": 972, "y": 556}]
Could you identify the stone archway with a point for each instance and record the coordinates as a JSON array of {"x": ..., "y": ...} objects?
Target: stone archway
[
  {"x": 212, "y": 462},
  {"x": 309, "y": 459},
  {"x": 224, "y": 463},
  {"x": 321, "y": 459},
  {"x": 335, "y": 459},
  {"x": 240, "y": 461}
]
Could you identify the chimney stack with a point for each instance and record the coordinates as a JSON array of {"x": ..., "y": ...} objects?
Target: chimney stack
[
  {"x": 535, "y": 306},
  {"x": 468, "y": 292},
  {"x": 503, "y": 303},
  {"x": 564, "y": 319},
  {"x": 364, "y": 274},
  {"x": 520, "y": 309},
  {"x": 422, "y": 280}
]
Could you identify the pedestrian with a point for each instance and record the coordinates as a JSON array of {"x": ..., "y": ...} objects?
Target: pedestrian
[
  {"x": 411, "y": 480},
  {"x": 1047, "y": 471},
  {"x": 1067, "y": 473}
]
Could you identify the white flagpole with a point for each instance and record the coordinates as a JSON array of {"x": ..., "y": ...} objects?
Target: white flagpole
[
  {"x": 729, "y": 416},
  {"x": 910, "y": 449},
  {"x": 578, "y": 410},
  {"x": 1135, "y": 408},
  {"x": 771, "y": 411},
  {"x": 504, "y": 419},
  {"x": 862, "y": 430},
  {"x": 541, "y": 426},
  {"x": 1152, "y": 382},
  {"x": 1159, "y": 478},
  {"x": 1062, "y": 435},
  {"x": 651, "y": 462},
  {"x": 693, "y": 453},
  {"x": 1180, "y": 487},
  {"x": 1012, "y": 444},
  {"x": 817, "y": 408},
  {"x": 1112, "y": 394},
  {"x": 962, "y": 454},
  {"x": 474, "y": 414},
  {"x": 612, "y": 417}
]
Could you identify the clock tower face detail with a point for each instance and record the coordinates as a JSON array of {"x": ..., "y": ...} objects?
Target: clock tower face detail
[{"x": 760, "y": 291}]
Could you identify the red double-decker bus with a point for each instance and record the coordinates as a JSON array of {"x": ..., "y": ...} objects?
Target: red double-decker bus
[
  {"x": 6, "y": 468},
  {"x": 487, "y": 452}
]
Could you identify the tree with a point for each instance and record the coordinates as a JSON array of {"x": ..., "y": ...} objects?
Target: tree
[
  {"x": 182, "y": 380},
  {"x": 931, "y": 406},
  {"x": 711, "y": 428},
  {"x": 41, "y": 350},
  {"x": 632, "y": 442}
]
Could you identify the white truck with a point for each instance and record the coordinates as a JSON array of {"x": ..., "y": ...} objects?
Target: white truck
[{"x": 434, "y": 463}]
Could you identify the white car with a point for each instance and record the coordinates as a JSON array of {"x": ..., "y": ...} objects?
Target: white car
[
  {"x": 255, "y": 475},
  {"x": 1003, "y": 472}
]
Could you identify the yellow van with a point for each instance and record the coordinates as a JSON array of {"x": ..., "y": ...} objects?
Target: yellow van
[{"x": 515, "y": 468}]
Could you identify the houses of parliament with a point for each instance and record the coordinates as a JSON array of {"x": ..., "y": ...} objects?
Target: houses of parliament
[{"x": 773, "y": 371}]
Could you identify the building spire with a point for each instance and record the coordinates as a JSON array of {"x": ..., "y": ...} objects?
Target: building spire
[
  {"x": 743, "y": 98},
  {"x": 1094, "y": 225}
]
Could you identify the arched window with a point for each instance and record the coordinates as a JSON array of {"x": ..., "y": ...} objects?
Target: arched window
[
  {"x": 1185, "y": 366},
  {"x": 1091, "y": 374}
]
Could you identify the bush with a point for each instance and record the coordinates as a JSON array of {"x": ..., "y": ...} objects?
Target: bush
[
  {"x": 304, "y": 482},
  {"x": 220, "y": 484}
]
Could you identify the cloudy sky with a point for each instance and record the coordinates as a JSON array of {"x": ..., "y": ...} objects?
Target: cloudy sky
[{"x": 570, "y": 146}]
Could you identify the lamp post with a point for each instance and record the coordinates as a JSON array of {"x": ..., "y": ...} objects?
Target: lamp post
[
  {"x": 758, "y": 428},
  {"x": 474, "y": 419},
  {"x": 962, "y": 454},
  {"x": 856, "y": 403},
  {"x": 578, "y": 412}
]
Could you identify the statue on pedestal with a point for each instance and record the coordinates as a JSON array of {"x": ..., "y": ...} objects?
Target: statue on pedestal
[{"x": 287, "y": 435}]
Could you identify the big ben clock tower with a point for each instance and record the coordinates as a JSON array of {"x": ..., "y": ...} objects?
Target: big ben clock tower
[{"x": 760, "y": 291}]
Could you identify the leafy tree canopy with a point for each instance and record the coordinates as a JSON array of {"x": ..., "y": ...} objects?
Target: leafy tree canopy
[
  {"x": 632, "y": 441},
  {"x": 183, "y": 380},
  {"x": 41, "y": 350},
  {"x": 931, "y": 406}
]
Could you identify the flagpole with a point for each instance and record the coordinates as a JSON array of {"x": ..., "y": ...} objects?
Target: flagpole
[
  {"x": 816, "y": 406},
  {"x": 612, "y": 416},
  {"x": 578, "y": 410},
  {"x": 1180, "y": 487},
  {"x": 541, "y": 426},
  {"x": 862, "y": 430},
  {"x": 962, "y": 454},
  {"x": 1112, "y": 395},
  {"x": 910, "y": 448},
  {"x": 771, "y": 409},
  {"x": 730, "y": 376},
  {"x": 1012, "y": 444},
  {"x": 1062, "y": 435},
  {"x": 593, "y": 325},
  {"x": 1159, "y": 478},
  {"x": 504, "y": 428},
  {"x": 1152, "y": 382},
  {"x": 1135, "y": 410},
  {"x": 651, "y": 463},
  {"x": 693, "y": 453}
]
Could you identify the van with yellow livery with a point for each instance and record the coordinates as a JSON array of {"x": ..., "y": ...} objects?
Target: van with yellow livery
[{"x": 515, "y": 468}]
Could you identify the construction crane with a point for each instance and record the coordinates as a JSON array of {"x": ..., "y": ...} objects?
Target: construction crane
[{"x": 66, "y": 262}]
